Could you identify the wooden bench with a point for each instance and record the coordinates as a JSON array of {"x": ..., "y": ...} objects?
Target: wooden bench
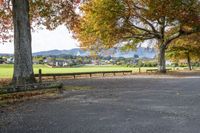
[
  {"x": 156, "y": 70},
  {"x": 151, "y": 70}
]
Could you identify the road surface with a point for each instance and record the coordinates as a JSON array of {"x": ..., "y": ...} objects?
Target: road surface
[{"x": 112, "y": 105}]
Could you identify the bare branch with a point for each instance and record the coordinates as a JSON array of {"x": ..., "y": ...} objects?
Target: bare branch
[{"x": 148, "y": 23}]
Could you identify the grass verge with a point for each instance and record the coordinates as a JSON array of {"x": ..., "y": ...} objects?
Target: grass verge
[{"x": 7, "y": 99}]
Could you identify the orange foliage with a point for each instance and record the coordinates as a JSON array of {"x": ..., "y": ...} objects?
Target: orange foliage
[{"x": 1, "y": 2}]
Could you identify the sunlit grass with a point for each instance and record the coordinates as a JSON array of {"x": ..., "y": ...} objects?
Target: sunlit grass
[{"x": 6, "y": 70}]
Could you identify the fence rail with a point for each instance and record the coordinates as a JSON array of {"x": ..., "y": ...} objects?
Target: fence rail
[{"x": 54, "y": 75}]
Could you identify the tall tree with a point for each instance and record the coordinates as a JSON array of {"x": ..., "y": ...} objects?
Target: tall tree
[
  {"x": 23, "y": 70},
  {"x": 22, "y": 15},
  {"x": 109, "y": 22},
  {"x": 185, "y": 48}
]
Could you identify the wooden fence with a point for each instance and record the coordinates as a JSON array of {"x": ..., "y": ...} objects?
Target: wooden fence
[{"x": 54, "y": 75}]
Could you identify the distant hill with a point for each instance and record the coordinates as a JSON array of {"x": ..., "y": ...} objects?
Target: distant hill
[
  {"x": 5, "y": 54},
  {"x": 74, "y": 52},
  {"x": 114, "y": 52},
  {"x": 141, "y": 52}
]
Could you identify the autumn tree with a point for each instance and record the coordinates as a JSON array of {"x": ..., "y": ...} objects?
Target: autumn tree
[
  {"x": 111, "y": 22},
  {"x": 24, "y": 15},
  {"x": 185, "y": 48}
]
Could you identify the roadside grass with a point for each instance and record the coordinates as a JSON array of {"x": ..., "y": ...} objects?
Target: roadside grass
[
  {"x": 10, "y": 98},
  {"x": 6, "y": 99}
]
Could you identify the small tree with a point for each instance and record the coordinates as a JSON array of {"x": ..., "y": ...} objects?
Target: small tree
[
  {"x": 134, "y": 21},
  {"x": 185, "y": 48}
]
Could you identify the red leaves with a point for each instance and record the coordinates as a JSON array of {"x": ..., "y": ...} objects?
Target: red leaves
[
  {"x": 77, "y": 1},
  {"x": 1, "y": 2}
]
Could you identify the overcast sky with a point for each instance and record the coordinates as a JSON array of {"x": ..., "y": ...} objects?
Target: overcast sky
[{"x": 44, "y": 40}]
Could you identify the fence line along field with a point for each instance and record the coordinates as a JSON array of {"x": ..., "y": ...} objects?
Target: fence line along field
[{"x": 6, "y": 70}]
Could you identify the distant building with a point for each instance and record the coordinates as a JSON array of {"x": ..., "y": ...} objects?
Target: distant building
[
  {"x": 10, "y": 60},
  {"x": 47, "y": 60},
  {"x": 59, "y": 63}
]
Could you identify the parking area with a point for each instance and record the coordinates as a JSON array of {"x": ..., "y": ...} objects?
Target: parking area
[{"x": 135, "y": 104}]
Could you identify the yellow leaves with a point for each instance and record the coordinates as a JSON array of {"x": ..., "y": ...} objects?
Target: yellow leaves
[
  {"x": 98, "y": 23},
  {"x": 180, "y": 47},
  {"x": 114, "y": 20}
]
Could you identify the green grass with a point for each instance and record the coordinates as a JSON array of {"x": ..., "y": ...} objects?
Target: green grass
[{"x": 6, "y": 70}]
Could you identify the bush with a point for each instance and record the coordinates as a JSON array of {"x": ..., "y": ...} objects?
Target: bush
[
  {"x": 183, "y": 65},
  {"x": 196, "y": 64},
  {"x": 175, "y": 64}
]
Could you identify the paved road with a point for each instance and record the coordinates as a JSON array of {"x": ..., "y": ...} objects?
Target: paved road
[{"x": 121, "y": 105}]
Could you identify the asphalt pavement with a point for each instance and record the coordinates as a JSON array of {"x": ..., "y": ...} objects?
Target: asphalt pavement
[{"x": 112, "y": 105}]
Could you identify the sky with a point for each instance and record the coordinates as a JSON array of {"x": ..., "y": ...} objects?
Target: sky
[
  {"x": 43, "y": 40},
  {"x": 60, "y": 39}
]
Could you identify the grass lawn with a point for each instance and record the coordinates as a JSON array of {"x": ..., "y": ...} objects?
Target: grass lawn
[{"x": 6, "y": 70}]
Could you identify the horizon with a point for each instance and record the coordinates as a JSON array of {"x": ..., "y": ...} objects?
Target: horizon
[{"x": 46, "y": 50}]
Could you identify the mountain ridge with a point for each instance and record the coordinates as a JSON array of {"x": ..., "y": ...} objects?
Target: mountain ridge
[
  {"x": 113, "y": 52},
  {"x": 141, "y": 52}
]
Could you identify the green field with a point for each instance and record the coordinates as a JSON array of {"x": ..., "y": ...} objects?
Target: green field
[{"x": 6, "y": 70}]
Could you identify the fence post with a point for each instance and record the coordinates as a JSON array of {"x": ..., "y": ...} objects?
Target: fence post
[
  {"x": 40, "y": 75},
  {"x": 60, "y": 88},
  {"x": 103, "y": 74},
  {"x": 139, "y": 69}
]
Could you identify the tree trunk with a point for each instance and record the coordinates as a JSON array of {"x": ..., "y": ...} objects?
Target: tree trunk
[
  {"x": 161, "y": 60},
  {"x": 23, "y": 68},
  {"x": 189, "y": 61}
]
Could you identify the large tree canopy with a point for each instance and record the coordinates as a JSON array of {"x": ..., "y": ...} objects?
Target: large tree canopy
[
  {"x": 112, "y": 21},
  {"x": 21, "y": 16}
]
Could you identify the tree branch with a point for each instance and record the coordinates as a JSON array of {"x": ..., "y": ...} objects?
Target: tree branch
[
  {"x": 140, "y": 36},
  {"x": 148, "y": 23},
  {"x": 179, "y": 34}
]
